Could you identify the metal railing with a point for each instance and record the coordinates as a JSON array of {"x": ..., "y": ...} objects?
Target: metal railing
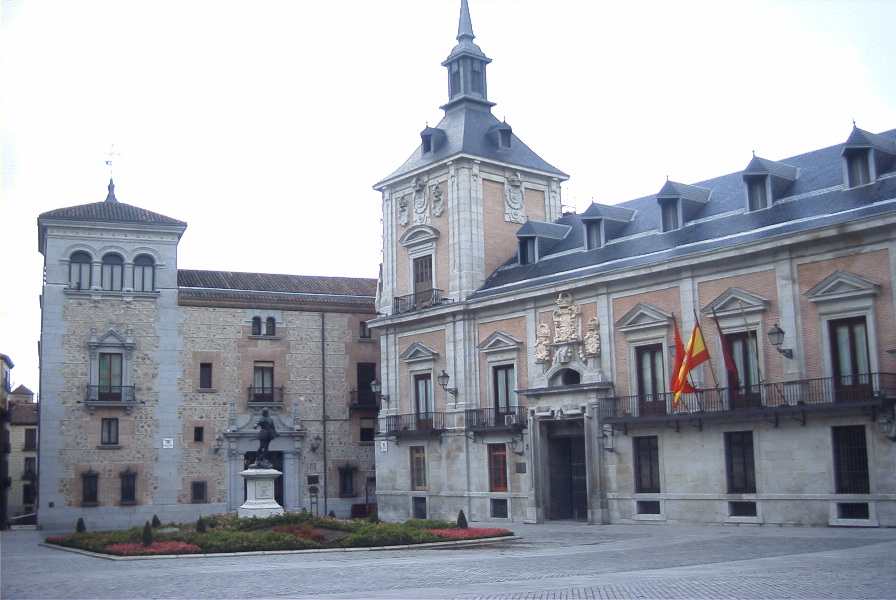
[
  {"x": 417, "y": 301},
  {"x": 269, "y": 395},
  {"x": 362, "y": 399},
  {"x": 110, "y": 393},
  {"x": 412, "y": 423},
  {"x": 479, "y": 419},
  {"x": 850, "y": 389}
]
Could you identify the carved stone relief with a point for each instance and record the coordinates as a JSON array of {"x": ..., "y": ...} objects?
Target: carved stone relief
[
  {"x": 421, "y": 204},
  {"x": 566, "y": 319},
  {"x": 543, "y": 344},
  {"x": 403, "y": 209},
  {"x": 514, "y": 209},
  {"x": 438, "y": 202},
  {"x": 592, "y": 338}
]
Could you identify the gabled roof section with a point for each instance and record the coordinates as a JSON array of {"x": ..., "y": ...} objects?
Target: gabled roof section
[
  {"x": 467, "y": 131},
  {"x": 859, "y": 138},
  {"x": 608, "y": 212},
  {"x": 642, "y": 316},
  {"x": 735, "y": 301},
  {"x": 22, "y": 391},
  {"x": 418, "y": 351},
  {"x": 499, "y": 341},
  {"x": 543, "y": 229},
  {"x": 842, "y": 284},
  {"x": 110, "y": 210},
  {"x": 691, "y": 193},
  {"x": 764, "y": 166}
]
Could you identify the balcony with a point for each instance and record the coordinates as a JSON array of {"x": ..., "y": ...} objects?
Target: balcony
[
  {"x": 110, "y": 396},
  {"x": 362, "y": 400},
  {"x": 794, "y": 398},
  {"x": 489, "y": 419},
  {"x": 271, "y": 396},
  {"x": 413, "y": 425},
  {"x": 417, "y": 301}
]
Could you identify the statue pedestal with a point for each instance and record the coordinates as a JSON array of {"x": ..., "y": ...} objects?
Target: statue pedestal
[{"x": 260, "y": 500}]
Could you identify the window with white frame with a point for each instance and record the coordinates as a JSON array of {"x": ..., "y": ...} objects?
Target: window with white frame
[
  {"x": 112, "y": 272},
  {"x": 503, "y": 384},
  {"x": 144, "y": 273},
  {"x": 79, "y": 271},
  {"x": 858, "y": 168}
]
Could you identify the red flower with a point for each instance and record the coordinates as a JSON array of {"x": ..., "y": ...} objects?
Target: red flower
[
  {"x": 471, "y": 533},
  {"x": 304, "y": 531},
  {"x": 171, "y": 547},
  {"x": 57, "y": 539}
]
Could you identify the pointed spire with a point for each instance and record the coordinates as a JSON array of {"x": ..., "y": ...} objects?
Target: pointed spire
[
  {"x": 110, "y": 197},
  {"x": 465, "y": 24}
]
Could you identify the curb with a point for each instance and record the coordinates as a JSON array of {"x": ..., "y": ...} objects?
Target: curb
[{"x": 436, "y": 545}]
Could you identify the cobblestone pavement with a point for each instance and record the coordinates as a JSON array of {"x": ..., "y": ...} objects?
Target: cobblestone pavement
[{"x": 560, "y": 560}]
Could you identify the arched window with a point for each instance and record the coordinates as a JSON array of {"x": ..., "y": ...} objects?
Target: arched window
[
  {"x": 270, "y": 326},
  {"x": 144, "y": 274},
  {"x": 566, "y": 377},
  {"x": 256, "y": 325},
  {"x": 112, "y": 272},
  {"x": 79, "y": 271}
]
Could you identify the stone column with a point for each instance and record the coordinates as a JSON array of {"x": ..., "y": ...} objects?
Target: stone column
[
  {"x": 788, "y": 303},
  {"x": 95, "y": 275},
  {"x": 128, "y": 284},
  {"x": 534, "y": 507}
]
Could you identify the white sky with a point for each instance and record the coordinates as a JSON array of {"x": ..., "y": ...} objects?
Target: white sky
[{"x": 264, "y": 124}]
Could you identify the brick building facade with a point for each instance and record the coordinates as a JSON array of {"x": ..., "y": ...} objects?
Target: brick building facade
[
  {"x": 152, "y": 378},
  {"x": 530, "y": 379}
]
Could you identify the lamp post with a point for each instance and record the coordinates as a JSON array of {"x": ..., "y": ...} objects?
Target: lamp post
[
  {"x": 776, "y": 338},
  {"x": 376, "y": 387},
  {"x": 443, "y": 380}
]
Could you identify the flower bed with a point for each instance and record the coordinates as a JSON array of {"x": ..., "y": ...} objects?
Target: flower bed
[
  {"x": 471, "y": 533},
  {"x": 290, "y": 531}
]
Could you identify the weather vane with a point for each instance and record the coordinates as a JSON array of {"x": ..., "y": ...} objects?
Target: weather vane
[{"x": 110, "y": 156}]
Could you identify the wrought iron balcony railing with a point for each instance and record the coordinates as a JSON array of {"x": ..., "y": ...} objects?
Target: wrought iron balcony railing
[
  {"x": 363, "y": 400},
  {"x": 414, "y": 423},
  {"x": 417, "y": 301},
  {"x": 110, "y": 393},
  {"x": 864, "y": 389},
  {"x": 266, "y": 395},
  {"x": 484, "y": 419}
]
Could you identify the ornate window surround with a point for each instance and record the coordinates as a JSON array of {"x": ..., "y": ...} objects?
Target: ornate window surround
[
  {"x": 420, "y": 359},
  {"x": 645, "y": 325},
  {"x": 500, "y": 349},
  {"x": 96, "y": 254},
  {"x": 738, "y": 311},
  {"x": 114, "y": 343}
]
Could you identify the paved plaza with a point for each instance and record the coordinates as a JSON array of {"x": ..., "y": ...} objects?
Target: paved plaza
[{"x": 560, "y": 560}]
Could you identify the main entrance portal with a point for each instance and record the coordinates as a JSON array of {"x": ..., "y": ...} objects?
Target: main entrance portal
[
  {"x": 276, "y": 460},
  {"x": 569, "y": 492}
]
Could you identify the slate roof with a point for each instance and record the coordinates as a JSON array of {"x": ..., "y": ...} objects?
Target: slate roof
[
  {"x": 267, "y": 290},
  {"x": 23, "y": 413},
  {"x": 467, "y": 127},
  {"x": 822, "y": 201},
  {"x": 22, "y": 391}
]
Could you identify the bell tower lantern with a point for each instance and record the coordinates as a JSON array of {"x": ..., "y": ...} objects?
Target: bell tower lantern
[{"x": 466, "y": 65}]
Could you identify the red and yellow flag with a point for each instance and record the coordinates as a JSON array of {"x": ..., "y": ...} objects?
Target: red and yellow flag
[
  {"x": 695, "y": 354},
  {"x": 679, "y": 358}
]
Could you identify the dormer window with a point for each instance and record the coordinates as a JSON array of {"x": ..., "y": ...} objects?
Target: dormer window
[
  {"x": 858, "y": 169},
  {"x": 669, "y": 212},
  {"x": 527, "y": 251},
  {"x": 504, "y": 138},
  {"x": 757, "y": 195},
  {"x": 593, "y": 235},
  {"x": 427, "y": 143}
]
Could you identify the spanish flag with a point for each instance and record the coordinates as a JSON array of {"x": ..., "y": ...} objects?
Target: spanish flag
[
  {"x": 679, "y": 358},
  {"x": 695, "y": 354}
]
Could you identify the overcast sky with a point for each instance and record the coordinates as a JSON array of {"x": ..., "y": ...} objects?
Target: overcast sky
[{"x": 264, "y": 124}]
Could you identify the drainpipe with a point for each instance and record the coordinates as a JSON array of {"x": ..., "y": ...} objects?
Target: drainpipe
[{"x": 323, "y": 402}]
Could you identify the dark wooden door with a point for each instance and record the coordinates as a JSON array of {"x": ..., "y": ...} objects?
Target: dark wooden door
[
  {"x": 423, "y": 281},
  {"x": 849, "y": 354},
  {"x": 651, "y": 383}
]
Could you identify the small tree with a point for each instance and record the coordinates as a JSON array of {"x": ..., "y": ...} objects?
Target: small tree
[
  {"x": 147, "y": 534},
  {"x": 462, "y": 520},
  {"x": 332, "y": 515},
  {"x": 80, "y": 527},
  {"x": 200, "y": 526},
  {"x": 155, "y": 521}
]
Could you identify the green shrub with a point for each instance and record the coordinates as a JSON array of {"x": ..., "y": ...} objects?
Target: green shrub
[
  {"x": 429, "y": 524},
  {"x": 146, "y": 538},
  {"x": 387, "y": 534},
  {"x": 200, "y": 526},
  {"x": 80, "y": 527},
  {"x": 155, "y": 521},
  {"x": 247, "y": 541},
  {"x": 462, "y": 520}
]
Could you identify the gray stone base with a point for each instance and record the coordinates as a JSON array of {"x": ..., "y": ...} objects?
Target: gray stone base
[{"x": 260, "y": 500}]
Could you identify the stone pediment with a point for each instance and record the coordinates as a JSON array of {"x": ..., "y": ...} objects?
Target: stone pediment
[
  {"x": 418, "y": 351},
  {"x": 419, "y": 234},
  {"x": 842, "y": 284},
  {"x": 499, "y": 341},
  {"x": 643, "y": 316},
  {"x": 734, "y": 301},
  {"x": 110, "y": 338}
]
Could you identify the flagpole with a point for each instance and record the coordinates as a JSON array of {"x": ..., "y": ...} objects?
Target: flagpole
[{"x": 712, "y": 369}]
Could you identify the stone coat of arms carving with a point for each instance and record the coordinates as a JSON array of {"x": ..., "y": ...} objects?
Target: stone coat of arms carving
[
  {"x": 421, "y": 204},
  {"x": 566, "y": 319},
  {"x": 543, "y": 344},
  {"x": 438, "y": 201},
  {"x": 592, "y": 338},
  {"x": 403, "y": 209},
  {"x": 514, "y": 209}
]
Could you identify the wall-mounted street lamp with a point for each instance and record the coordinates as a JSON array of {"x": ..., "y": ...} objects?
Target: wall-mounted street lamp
[
  {"x": 776, "y": 337},
  {"x": 443, "y": 380},
  {"x": 376, "y": 387}
]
